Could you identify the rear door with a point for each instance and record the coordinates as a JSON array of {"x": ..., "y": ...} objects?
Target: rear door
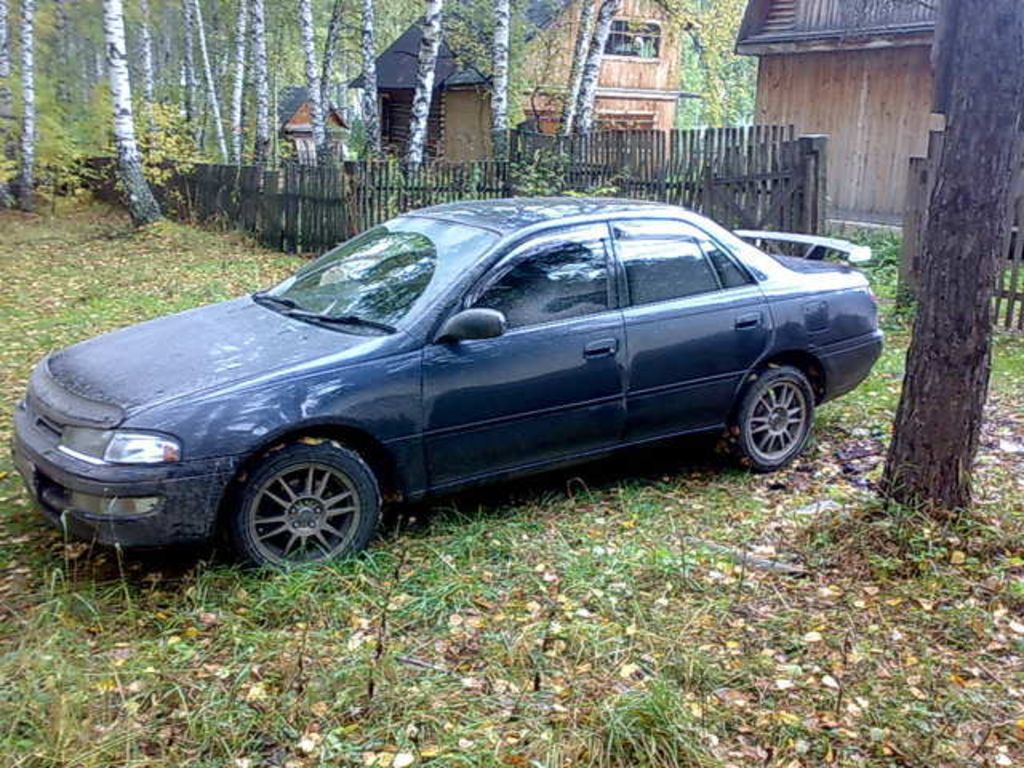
[{"x": 696, "y": 322}]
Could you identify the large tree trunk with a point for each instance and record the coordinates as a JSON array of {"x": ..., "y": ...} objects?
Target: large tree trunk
[
  {"x": 146, "y": 49},
  {"x": 584, "y": 33},
  {"x": 330, "y": 56},
  {"x": 141, "y": 203},
  {"x": 429, "y": 47},
  {"x": 312, "y": 78},
  {"x": 6, "y": 107},
  {"x": 499, "y": 89},
  {"x": 238, "y": 89},
  {"x": 26, "y": 176},
  {"x": 981, "y": 91},
  {"x": 260, "y": 78},
  {"x": 211, "y": 84},
  {"x": 189, "y": 64},
  {"x": 370, "y": 104},
  {"x": 592, "y": 67}
]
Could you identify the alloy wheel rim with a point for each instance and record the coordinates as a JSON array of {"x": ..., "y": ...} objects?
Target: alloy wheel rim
[
  {"x": 778, "y": 422},
  {"x": 304, "y": 514}
]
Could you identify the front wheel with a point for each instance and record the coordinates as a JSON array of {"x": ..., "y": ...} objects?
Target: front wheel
[
  {"x": 774, "y": 419},
  {"x": 306, "y": 504}
]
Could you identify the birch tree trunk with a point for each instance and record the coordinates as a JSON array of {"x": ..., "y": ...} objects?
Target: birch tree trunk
[
  {"x": 330, "y": 55},
  {"x": 60, "y": 29},
  {"x": 26, "y": 177},
  {"x": 370, "y": 103},
  {"x": 592, "y": 66},
  {"x": 429, "y": 47},
  {"x": 141, "y": 204},
  {"x": 189, "y": 62},
  {"x": 583, "y": 35},
  {"x": 146, "y": 46},
  {"x": 211, "y": 85},
  {"x": 980, "y": 88},
  {"x": 313, "y": 78},
  {"x": 261, "y": 82},
  {"x": 238, "y": 90},
  {"x": 499, "y": 89},
  {"x": 6, "y": 107}
]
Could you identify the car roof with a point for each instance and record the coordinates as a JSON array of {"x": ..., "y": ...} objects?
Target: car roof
[{"x": 510, "y": 215}]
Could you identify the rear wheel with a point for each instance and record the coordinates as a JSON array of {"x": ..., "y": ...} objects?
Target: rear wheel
[
  {"x": 774, "y": 419},
  {"x": 306, "y": 504}
]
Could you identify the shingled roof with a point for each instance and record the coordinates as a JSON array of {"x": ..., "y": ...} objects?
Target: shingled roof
[{"x": 777, "y": 26}]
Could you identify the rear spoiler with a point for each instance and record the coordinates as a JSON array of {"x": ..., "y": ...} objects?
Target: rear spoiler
[{"x": 813, "y": 247}]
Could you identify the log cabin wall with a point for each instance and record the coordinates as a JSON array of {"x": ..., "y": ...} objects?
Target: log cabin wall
[{"x": 874, "y": 104}]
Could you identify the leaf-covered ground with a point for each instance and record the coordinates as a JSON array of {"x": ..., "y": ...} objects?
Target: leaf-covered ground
[{"x": 578, "y": 619}]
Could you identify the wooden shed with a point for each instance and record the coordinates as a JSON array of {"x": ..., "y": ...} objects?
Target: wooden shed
[{"x": 859, "y": 71}]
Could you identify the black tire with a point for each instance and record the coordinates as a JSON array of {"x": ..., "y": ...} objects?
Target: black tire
[
  {"x": 766, "y": 435},
  {"x": 305, "y": 504}
]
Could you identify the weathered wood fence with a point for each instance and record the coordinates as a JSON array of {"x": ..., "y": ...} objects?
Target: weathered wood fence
[
  {"x": 1009, "y": 300},
  {"x": 758, "y": 177}
]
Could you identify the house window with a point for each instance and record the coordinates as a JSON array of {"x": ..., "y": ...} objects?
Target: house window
[{"x": 634, "y": 38}]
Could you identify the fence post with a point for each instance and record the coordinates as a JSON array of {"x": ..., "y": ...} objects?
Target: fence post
[
  {"x": 915, "y": 215},
  {"x": 814, "y": 161}
]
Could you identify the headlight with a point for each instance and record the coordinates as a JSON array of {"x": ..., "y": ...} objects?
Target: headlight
[{"x": 97, "y": 446}]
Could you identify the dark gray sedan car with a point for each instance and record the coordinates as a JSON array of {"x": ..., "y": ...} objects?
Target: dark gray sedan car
[{"x": 450, "y": 346}]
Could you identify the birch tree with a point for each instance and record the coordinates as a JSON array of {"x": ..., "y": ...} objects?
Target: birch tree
[
  {"x": 141, "y": 204},
  {"x": 146, "y": 50},
  {"x": 238, "y": 89},
  {"x": 6, "y": 108},
  {"x": 189, "y": 60},
  {"x": 584, "y": 33},
  {"x": 606, "y": 13},
  {"x": 430, "y": 44},
  {"x": 331, "y": 44},
  {"x": 211, "y": 85},
  {"x": 26, "y": 177},
  {"x": 312, "y": 78},
  {"x": 499, "y": 89},
  {"x": 370, "y": 103},
  {"x": 60, "y": 29},
  {"x": 261, "y": 82}
]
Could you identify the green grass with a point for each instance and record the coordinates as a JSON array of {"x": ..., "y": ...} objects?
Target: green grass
[{"x": 570, "y": 620}]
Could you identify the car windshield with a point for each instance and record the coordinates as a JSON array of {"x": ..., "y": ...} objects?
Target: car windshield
[{"x": 378, "y": 278}]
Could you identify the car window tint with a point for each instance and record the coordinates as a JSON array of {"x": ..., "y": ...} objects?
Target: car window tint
[
  {"x": 556, "y": 281},
  {"x": 663, "y": 261},
  {"x": 729, "y": 272}
]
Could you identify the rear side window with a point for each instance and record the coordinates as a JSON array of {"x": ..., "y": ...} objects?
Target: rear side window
[
  {"x": 729, "y": 272},
  {"x": 663, "y": 261},
  {"x": 557, "y": 280}
]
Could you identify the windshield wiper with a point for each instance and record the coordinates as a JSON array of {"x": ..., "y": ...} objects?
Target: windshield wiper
[
  {"x": 301, "y": 314},
  {"x": 266, "y": 298}
]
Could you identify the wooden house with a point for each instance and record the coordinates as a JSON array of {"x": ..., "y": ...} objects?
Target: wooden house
[
  {"x": 638, "y": 86},
  {"x": 859, "y": 71},
  {"x": 295, "y": 116}
]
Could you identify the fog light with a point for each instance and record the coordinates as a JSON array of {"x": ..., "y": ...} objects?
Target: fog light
[{"x": 128, "y": 506}]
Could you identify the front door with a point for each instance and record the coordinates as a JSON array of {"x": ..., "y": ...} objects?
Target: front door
[
  {"x": 696, "y": 323},
  {"x": 550, "y": 387}
]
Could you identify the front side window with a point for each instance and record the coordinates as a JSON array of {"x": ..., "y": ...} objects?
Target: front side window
[
  {"x": 663, "y": 261},
  {"x": 640, "y": 39},
  {"x": 558, "y": 280}
]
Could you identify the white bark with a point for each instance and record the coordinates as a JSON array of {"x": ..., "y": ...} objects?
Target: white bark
[
  {"x": 370, "y": 103},
  {"x": 330, "y": 56},
  {"x": 429, "y": 46},
  {"x": 189, "y": 60},
  {"x": 141, "y": 204},
  {"x": 6, "y": 103},
  {"x": 261, "y": 82},
  {"x": 211, "y": 84},
  {"x": 583, "y": 35},
  {"x": 26, "y": 178},
  {"x": 592, "y": 67},
  {"x": 312, "y": 78},
  {"x": 499, "y": 89},
  {"x": 238, "y": 91},
  {"x": 146, "y": 46}
]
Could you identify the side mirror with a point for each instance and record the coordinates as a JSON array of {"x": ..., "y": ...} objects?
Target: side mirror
[{"x": 472, "y": 324}]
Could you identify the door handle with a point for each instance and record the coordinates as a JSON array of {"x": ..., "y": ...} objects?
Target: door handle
[
  {"x": 602, "y": 348},
  {"x": 746, "y": 322}
]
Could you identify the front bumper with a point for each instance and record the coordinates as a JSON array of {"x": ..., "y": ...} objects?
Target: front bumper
[{"x": 182, "y": 500}]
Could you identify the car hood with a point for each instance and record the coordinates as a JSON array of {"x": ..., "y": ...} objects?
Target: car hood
[{"x": 193, "y": 352}]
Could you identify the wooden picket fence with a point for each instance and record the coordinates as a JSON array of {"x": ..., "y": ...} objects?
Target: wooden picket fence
[
  {"x": 758, "y": 177},
  {"x": 1008, "y": 310}
]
